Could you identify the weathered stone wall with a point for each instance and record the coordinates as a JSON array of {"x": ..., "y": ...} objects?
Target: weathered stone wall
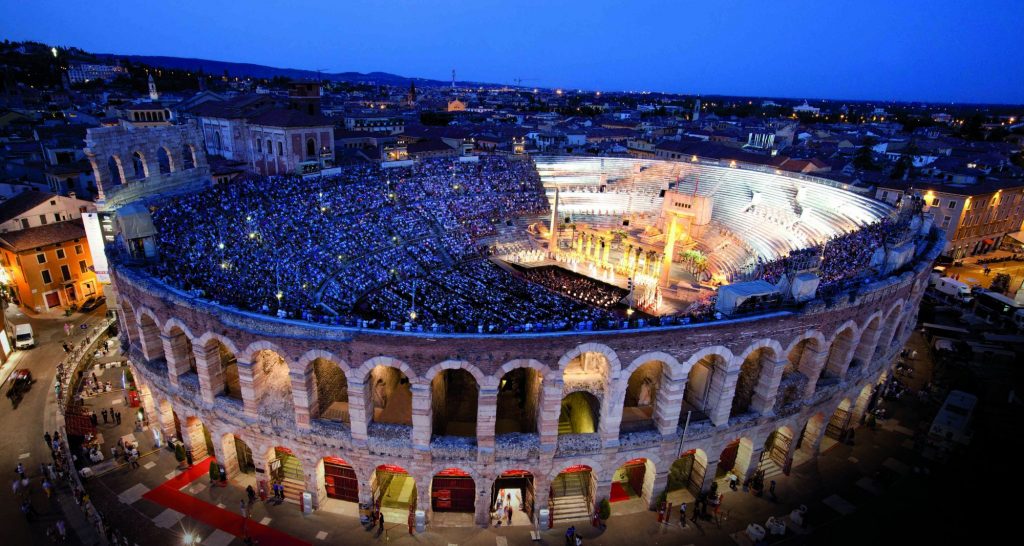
[
  {"x": 884, "y": 311},
  {"x": 183, "y": 145}
]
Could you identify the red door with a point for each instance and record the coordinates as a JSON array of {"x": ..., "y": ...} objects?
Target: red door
[
  {"x": 53, "y": 299},
  {"x": 340, "y": 480}
]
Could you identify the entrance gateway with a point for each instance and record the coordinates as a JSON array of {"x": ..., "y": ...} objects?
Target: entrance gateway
[
  {"x": 340, "y": 480},
  {"x": 453, "y": 490}
]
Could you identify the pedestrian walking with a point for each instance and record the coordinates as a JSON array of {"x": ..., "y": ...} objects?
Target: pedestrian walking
[
  {"x": 244, "y": 508},
  {"x": 570, "y": 536},
  {"x": 682, "y": 514},
  {"x": 380, "y": 518},
  {"x": 118, "y": 414},
  {"x": 28, "y": 510},
  {"x": 48, "y": 438},
  {"x": 47, "y": 487},
  {"x": 771, "y": 490},
  {"x": 111, "y": 415},
  {"x": 94, "y": 380},
  {"x": 104, "y": 416},
  {"x": 20, "y": 470},
  {"x": 62, "y": 532},
  {"x": 508, "y": 513},
  {"x": 251, "y": 492}
]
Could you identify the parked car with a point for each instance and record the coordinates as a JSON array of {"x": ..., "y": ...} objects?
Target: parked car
[
  {"x": 24, "y": 337},
  {"x": 92, "y": 303}
]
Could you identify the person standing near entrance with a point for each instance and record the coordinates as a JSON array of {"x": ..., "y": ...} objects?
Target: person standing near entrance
[{"x": 682, "y": 514}]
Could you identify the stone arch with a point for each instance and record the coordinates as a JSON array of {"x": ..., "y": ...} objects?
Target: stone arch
[
  {"x": 755, "y": 368},
  {"x": 674, "y": 368},
  {"x": 164, "y": 159},
  {"x": 612, "y": 359},
  {"x": 635, "y": 476},
  {"x": 840, "y": 351},
  {"x": 706, "y": 375},
  {"x": 364, "y": 370},
  {"x": 175, "y": 322},
  {"x": 870, "y": 333},
  {"x": 217, "y": 363},
  {"x": 188, "y": 156},
  {"x": 806, "y": 355},
  {"x": 178, "y": 349},
  {"x": 642, "y": 385},
  {"x": 686, "y": 473},
  {"x": 736, "y": 457},
  {"x": 478, "y": 375},
  {"x": 323, "y": 382},
  {"x": 518, "y": 397},
  {"x": 223, "y": 340},
  {"x": 454, "y": 412},
  {"x": 507, "y": 367},
  {"x": 139, "y": 165},
  {"x": 116, "y": 169},
  {"x": 558, "y": 467}
]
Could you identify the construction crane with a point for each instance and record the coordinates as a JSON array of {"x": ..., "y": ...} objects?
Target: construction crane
[{"x": 519, "y": 81}]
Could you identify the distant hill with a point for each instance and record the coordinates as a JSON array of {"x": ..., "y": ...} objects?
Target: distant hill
[{"x": 216, "y": 68}]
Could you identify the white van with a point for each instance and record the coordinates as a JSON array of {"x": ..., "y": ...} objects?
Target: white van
[
  {"x": 937, "y": 273},
  {"x": 23, "y": 336},
  {"x": 953, "y": 287}
]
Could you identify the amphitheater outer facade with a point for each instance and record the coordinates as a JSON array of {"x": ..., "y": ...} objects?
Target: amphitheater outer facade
[{"x": 846, "y": 345}]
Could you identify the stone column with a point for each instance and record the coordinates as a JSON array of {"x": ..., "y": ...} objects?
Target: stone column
[
  {"x": 767, "y": 388},
  {"x": 541, "y": 490},
  {"x": 668, "y": 403},
  {"x": 839, "y": 356},
  {"x": 811, "y": 365},
  {"x": 486, "y": 417},
  {"x": 482, "y": 506},
  {"x": 152, "y": 346},
  {"x": 224, "y": 451},
  {"x": 709, "y": 475},
  {"x": 660, "y": 484},
  {"x": 865, "y": 351},
  {"x": 550, "y": 409},
  {"x": 173, "y": 352},
  {"x": 302, "y": 385},
  {"x": 423, "y": 496},
  {"x": 248, "y": 381},
  {"x": 422, "y": 415},
  {"x": 747, "y": 459},
  {"x": 316, "y": 485},
  {"x": 723, "y": 388},
  {"x": 813, "y": 435},
  {"x": 359, "y": 414},
  {"x": 611, "y": 416},
  {"x": 211, "y": 375}
]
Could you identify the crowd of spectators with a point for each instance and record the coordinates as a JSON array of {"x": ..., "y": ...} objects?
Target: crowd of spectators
[{"x": 844, "y": 257}]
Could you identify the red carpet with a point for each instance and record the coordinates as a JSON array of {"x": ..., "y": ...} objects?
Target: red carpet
[
  {"x": 618, "y": 493},
  {"x": 168, "y": 495}
]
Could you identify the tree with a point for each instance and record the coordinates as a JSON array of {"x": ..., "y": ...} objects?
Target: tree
[
  {"x": 604, "y": 509},
  {"x": 864, "y": 157},
  {"x": 1000, "y": 284}
]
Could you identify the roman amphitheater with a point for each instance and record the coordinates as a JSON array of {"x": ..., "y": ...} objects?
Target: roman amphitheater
[{"x": 342, "y": 399}]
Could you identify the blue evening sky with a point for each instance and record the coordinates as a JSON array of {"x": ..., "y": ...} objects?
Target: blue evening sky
[{"x": 932, "y": 50}]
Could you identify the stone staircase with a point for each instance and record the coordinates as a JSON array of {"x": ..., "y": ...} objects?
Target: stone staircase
[
  {"x": 570, "y": 502},
  {"x": 294, "y": 485},
  {"x": 564, "y": 425}
]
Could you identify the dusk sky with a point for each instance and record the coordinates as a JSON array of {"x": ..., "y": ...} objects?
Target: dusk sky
[{"x": 939, "y": 50}]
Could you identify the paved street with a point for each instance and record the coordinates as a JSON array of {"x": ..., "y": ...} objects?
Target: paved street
[{"x": 23, "y": 437}]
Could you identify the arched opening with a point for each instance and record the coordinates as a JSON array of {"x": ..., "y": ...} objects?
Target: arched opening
[
  {"x": 394, "y": 492},
  {"x": 774, "y": 458},
  {"x": 866, "y": 401},
  {"x": 807, "y": 444},
  {"x": 794, "y": 381},
  {"x": 686, "y": 477},
  {"x": 580, "y": 414},
  {"x": 139, "y": 165},
  {"x": 310, "y": 149},
  {"x": 243, "y": 455},
  {"x": 188, "y": 155},
  {"x": 587, "y": 368},
  {"x": 518, "y": 402},
  {"x": 641, "y": 396},
  {"x": 572, "y": 493},
  {"x": 273, "y": 386},
  {"x": 699, "y": 399},
  {"x": 389, "y": 396},
  {"x": 632, "y": 486},
  {"x": 735, "y": 459},
  {"x": 838, "y": 425},
  {"x": 331, "y": 392},
  {"x": 116, "y": 172},
  {"x": 454, "y": 395},
  {"x": 512, "y": 498},
  {"x": 163, "y": 160},
  {"x": 223, "y": 371},
  {"x": 339, "y": 479},
  {"x": 751, "y": 371},
  {"x": 286, "y": 469},
  {"x": 453, "y": 490},
  {"x": 217, "y": 142},
  {"x": 197, "y": 439},
  {"x": 839, "y": 354}
]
